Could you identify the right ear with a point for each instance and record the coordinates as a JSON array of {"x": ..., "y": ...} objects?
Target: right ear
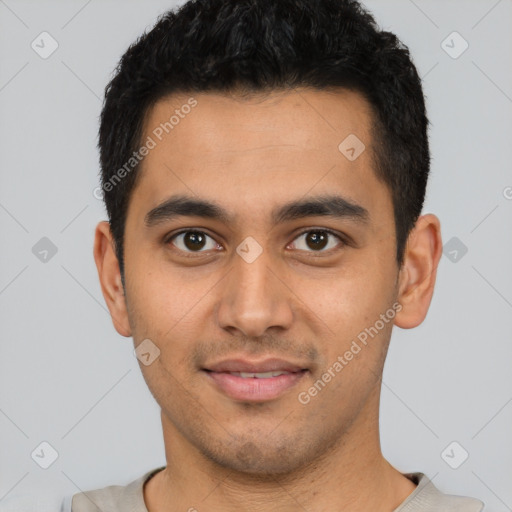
[{"x": 110, "y": 278}]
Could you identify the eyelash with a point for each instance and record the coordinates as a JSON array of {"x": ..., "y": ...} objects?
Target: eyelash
[{"x": 192, "y": 254}]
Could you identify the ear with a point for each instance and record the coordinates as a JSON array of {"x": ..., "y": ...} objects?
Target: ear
[
  {"x": 417, "y": 275},
  {"x": 110, "y": 278}
]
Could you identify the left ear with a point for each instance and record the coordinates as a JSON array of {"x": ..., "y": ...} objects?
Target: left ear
[{"x": 417, "y": 275}]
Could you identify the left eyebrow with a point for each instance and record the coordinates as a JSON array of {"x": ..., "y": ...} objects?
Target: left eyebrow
[{"x": 327, "y": 206}]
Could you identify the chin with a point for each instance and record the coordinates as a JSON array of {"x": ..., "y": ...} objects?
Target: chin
[{"x": 260, "y": 460}]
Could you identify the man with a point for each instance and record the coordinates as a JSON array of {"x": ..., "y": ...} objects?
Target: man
[{"x": 264, "y": 166}]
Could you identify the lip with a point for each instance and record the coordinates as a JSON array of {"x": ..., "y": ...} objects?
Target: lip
[
  {"x": 244, "y": 365},
  {"x": 253, "y": 389}
]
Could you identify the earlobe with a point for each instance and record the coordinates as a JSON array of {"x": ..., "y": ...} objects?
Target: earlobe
[
  {"x": 110, "y": 278},
  {"x": 418, "y": 273}
]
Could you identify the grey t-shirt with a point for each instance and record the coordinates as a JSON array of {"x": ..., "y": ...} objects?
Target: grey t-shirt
[{"x": 130, "y": 498}]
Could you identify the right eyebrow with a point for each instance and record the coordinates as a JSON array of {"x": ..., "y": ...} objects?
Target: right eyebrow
[{"x": 178, "y": 206}]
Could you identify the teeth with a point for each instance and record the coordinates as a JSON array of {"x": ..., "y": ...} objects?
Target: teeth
[{"x": 263, "y": 375}]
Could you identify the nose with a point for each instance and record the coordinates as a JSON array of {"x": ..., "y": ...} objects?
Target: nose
[{"x": 254, "y": 298}]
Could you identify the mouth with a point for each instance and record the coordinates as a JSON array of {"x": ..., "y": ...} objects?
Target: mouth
[{"x": 248, "y": 381}]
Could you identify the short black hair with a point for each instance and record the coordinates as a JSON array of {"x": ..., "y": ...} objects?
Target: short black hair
[{"x": 259, "y": 46}]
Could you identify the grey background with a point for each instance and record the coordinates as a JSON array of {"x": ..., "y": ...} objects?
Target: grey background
[{"x": 68, "y": 378}]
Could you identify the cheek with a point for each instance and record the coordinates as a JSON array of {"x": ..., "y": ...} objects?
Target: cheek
[
  {"x": 348, "y": 299},
  {"x": 163, "y": 299},
  {"x": 173, "y": 310}
]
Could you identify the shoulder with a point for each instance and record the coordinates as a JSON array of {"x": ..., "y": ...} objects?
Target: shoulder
[
  {"x": 427, "y": 498},
  {"x": 113, "y": 498}
]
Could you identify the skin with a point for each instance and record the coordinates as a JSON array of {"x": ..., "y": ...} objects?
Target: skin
[{"x": 295, "y": 301}]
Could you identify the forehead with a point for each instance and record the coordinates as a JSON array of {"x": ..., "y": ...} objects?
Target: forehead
[
  {"x": 231, "y": 122},
  {"x": 268, "y": 146}
]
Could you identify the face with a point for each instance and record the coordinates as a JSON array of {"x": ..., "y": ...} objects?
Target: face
[{"x": 280, "y": 275}]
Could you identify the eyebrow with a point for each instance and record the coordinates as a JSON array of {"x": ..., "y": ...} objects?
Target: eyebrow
[{"x": 327, "y": 205}]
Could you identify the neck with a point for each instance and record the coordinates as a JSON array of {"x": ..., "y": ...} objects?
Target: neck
[{"x": 352, "y": 475}]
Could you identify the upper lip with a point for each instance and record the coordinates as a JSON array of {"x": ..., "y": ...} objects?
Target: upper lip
[{"x": 247, "y": 366}]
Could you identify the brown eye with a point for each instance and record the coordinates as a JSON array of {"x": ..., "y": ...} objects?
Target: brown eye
[
  {"x": 193, "y": 241},
  {"x": 316, "y": 241}
]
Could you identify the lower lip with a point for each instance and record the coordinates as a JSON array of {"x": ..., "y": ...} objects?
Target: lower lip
[{"x": 252, "y": 389}]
